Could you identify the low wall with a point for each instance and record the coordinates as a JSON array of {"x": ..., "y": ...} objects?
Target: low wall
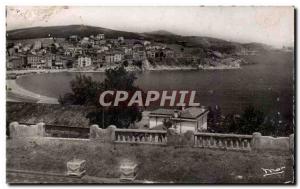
[
  {"x": 23, "y": 131},
  {"x": 111, "y": 134},
  {"x": 267, "y": 143}
]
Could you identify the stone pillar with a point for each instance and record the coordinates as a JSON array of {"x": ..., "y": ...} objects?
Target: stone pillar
[
  {"x": 188, "y": 138},
  {"x": 93, "y": 131},
  {"x": 76, "y": 167},
  {"x": 128, "y": 170},
  {"x": 112, "y": 132},
  {"x": 12, "y": 129},
  {"x": 255, "y": 143},
  {"x": 41, "y": 129}
]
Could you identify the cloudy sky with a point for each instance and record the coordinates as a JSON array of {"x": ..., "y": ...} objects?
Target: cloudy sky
[{"x": 270, "y": 25}]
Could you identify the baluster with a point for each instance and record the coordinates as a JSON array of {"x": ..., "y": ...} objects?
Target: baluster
[
  {"x": 247, "y": 144},
  {"x": 131, "y": 137},
  {"x": 195, "y": 140},
  {"x": 231, "y": 144},
  {"x": 213, "y": 142},
  {"x": 156, "y": 138},
  {"x": 218, "y": 142},
  {"x": 225, "y": 143},
  {"x": 236, "y": 143},
  {"x": 205, "y": 142},
  {"x": 119, "y": 137},
  {"x": 222, "y": 143},
  {"x": 239, "y": 142},
  {"x": 138, "y": 138},
  {"x": 243, "y": 143},
  {"x": 201, "y": 141},
  {"x": 143, "y": 138}
]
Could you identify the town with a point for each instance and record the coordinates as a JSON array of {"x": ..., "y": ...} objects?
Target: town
[{"x": 96, "y": 52}]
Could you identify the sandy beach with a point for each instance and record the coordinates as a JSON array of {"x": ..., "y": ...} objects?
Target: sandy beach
[{"x": 15, "y": 92}]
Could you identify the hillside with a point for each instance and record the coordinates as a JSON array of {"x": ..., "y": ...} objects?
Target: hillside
[
  {"x": 157, "y": 36},
  {"x": 65, "y": 31}
]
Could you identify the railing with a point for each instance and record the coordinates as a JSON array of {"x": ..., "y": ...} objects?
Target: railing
[
  {"x": 223, "y": 141},
  {"x": 140, "y": 136}
]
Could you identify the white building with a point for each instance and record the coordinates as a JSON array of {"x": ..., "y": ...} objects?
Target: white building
[
  {"x": 100, "y": 36},
  {"x": 84, "y": 62},
  {"x": 114, "y": 57},
  {"x": 120, "y": 39},
  {"x": 190, "y": 119},
  {"x": 37, "y": 45}
]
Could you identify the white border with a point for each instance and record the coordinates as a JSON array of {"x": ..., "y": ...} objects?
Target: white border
[{"x": 3, "y": 3}]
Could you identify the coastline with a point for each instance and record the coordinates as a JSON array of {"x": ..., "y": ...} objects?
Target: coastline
[
  {"x": 130, "y": 69},
  {"x": 16, "y": 93}
]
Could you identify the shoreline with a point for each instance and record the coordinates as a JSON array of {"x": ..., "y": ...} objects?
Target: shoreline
[
  {"x": 15, "y": 92},
  {"x": 130, "y": 69}
]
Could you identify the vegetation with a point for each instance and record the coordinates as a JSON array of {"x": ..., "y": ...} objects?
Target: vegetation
[
  {"x": 86, "y": 91},
  {"x": 250, "y": 121},
  {"x": 160, "y": 164}
]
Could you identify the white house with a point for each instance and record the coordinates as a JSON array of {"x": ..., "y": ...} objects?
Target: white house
[
  {"x": 100, "y": 36},
  {"x": 189, "y": 119},
  {"x": 84, "y": 62}
]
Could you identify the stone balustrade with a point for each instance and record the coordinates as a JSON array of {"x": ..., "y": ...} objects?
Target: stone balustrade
[
  {"x": 223, "y": 141},
  {"x": 112, "y": 134},
  {"x": 140, "y": 136}
]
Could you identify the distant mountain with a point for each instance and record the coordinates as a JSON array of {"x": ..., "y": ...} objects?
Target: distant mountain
[
  {"x": 157, "y": 36},
  {"x": 66, "y": 31},
  {"x": 159, "y": 32}
]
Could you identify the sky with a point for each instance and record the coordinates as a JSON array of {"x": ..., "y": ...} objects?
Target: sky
[{"x": 270, "y": 25}]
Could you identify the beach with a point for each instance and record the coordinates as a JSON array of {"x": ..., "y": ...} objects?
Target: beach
[{"x": 16, "y": 93}]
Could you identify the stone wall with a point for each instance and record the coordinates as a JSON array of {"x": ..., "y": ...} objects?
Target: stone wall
[
  {"x": 267, "y": 143},
  {"x": 23, "y": 131},
  {"x": 255, "y": 142},
  {"x": 103, "y": 135}
]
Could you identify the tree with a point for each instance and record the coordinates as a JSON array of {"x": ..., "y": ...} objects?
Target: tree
[
  {"x": 250, "y": 120},
  {"x": 274, "y": 125},
  {"x": 214, "y": 119},
  {"x": 86, "y": 92},
  {"x": 231, "y": 124},
  {"x": 167, "y": 123}
]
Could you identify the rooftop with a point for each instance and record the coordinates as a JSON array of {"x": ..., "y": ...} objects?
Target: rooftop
[{"x": 190, "y": 113}]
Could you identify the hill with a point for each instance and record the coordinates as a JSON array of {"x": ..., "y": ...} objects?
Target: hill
[
  {"x": 157, "y": 36},
  {"x": 65, "y": 31}
]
